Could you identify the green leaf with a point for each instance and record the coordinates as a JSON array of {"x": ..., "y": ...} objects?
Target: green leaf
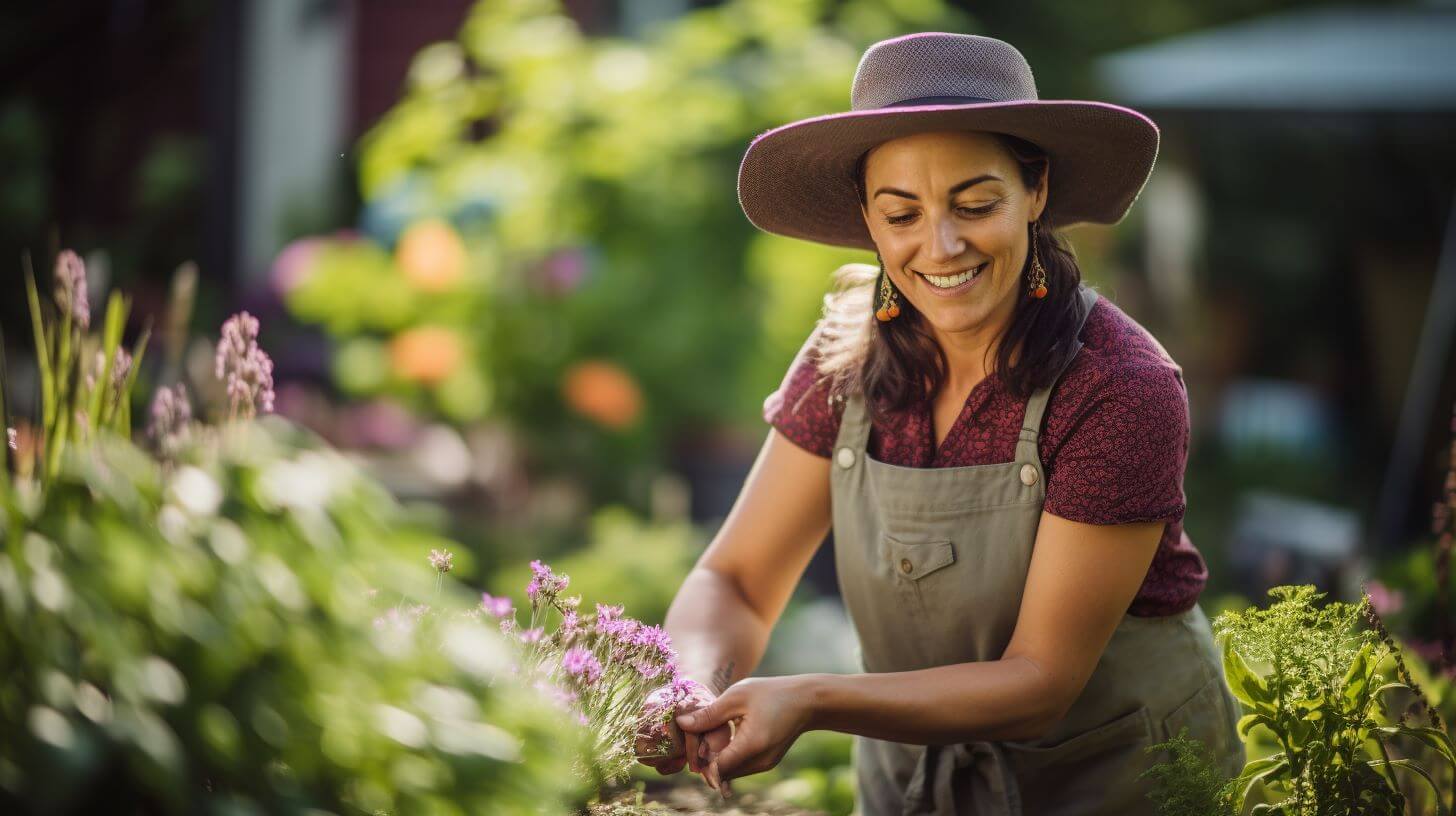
[
  {"x": 1248, "y": 721},
  {"x": 103, "y": 398},
  {"x": 122, "y": 424},
  {"x": 1433, "y": 737},
  {"x": 1410, "y": 765},
  {"x": 1245, "y": 683},
  {"x": 42, "y": 355},
  {"x": 1259, "y": 771},
  {"x": 1356, "y": 684}
]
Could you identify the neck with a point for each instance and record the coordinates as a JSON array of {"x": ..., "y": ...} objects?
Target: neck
[{"x": 969, "y": 351}]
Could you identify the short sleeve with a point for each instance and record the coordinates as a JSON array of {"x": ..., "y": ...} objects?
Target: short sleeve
[
  {"x": 800, "y": 409},
  {"x": 1123, "y": 461}
]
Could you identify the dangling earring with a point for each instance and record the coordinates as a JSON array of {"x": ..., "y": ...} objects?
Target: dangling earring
[
  {"x": 889, "y": 308},
  {"x": 1037, "y": 287}
]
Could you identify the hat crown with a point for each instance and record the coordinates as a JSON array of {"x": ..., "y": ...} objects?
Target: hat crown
[{"x": 938, "y": 64}]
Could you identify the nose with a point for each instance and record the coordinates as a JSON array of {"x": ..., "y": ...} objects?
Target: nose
[{"x": 946, "y": 243}]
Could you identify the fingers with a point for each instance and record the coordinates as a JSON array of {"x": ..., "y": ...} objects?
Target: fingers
[
  {"x": 692, "y": 750},
  {"x": 741, "y": 758},
  {"x": 665, "y": 759},
  {"x": 708, "y": 717},
  {"x": 718, "y": 738},
  {"x": 721, "y": 785}
]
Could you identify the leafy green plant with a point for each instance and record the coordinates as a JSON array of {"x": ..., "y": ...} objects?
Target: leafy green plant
[
  {"x": 192, "y": 634},
  {"x": 1310, "y": 680},
  {"x": 1190, "y": 784}
]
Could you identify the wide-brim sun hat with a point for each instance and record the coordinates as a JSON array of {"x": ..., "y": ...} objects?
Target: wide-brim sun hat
[{"x": 797, "y": 179}]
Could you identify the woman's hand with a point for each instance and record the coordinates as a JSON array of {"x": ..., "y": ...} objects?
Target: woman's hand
[
  {"x": 691, "y": 750},
  {"x": 769, "y": 713}
]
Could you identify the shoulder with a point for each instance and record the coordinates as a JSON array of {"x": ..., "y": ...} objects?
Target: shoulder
[
  {"x": 1120, "y": 362},
  {"x": 802, "y": 408},
  {"x": 1115, "y": 439}
]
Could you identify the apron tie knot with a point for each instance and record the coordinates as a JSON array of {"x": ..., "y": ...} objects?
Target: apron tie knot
[{"x": 933, "y": 785}]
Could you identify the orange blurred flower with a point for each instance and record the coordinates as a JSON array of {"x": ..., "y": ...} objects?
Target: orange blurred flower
[
  {"x": 603, "y": 392},
  {"x": 431, "y": 255},
  {"x": 427, "y": 354}
]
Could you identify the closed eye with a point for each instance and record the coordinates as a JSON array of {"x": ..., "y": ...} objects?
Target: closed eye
[{"x": 908, "y": 217}]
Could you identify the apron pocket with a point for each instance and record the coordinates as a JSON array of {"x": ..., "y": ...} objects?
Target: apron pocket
[
  {"x": 1208, "y": 720},
  {"x": 915, "y": 561},
  {"x": 1094, "y": 772}
]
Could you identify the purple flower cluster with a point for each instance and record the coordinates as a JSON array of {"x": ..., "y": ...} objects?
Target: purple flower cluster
[
  {"x": 171, "y": 418},
  {"x": 497, "y": 606},
  {"x": 71, "y": 293},
  {"x": 545, "y": 584},
  {"x": 580, "y": 662},
  {"x": 570, "y": 625},
  {"x": 647, "y": 648},
  {"x": 246, "y": 368}
]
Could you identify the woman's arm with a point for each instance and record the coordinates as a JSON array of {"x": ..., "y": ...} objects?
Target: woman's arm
[
  {"x": 1082, "y": 579},
  {"x": 721, "y": 617}
]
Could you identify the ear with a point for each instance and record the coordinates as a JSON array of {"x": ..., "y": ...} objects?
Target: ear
[{"x": 1039, "y": 196}]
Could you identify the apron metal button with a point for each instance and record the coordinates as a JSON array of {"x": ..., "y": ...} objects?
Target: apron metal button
[
  {"x": 846, "y": 458},
  {"x": 1028, "y": 475},
  {"x": 905, "y": 566}
]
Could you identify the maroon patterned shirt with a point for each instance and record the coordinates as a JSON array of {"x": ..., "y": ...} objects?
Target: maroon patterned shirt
[{"x": 1114, "y": 441}]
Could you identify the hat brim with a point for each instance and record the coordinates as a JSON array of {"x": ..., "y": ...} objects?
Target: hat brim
[{"x": 796, "y": 180}]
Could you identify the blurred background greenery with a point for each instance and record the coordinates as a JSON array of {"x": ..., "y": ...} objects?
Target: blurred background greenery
[{"x": 499, "y": 253}]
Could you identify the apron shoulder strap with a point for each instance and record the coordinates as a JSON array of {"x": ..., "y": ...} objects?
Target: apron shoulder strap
[
  {"x": 1036, "y": 405},
  {"x": 854, "y": 427}
]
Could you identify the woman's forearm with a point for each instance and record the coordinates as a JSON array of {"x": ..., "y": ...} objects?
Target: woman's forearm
[
  {"x": 965, "y": 702},
  {"x": 718, "y": 637}
]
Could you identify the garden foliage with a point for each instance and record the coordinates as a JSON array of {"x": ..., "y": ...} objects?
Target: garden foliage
[
  {"x": 550, "y": 234},
  {"x": 193, "y": 633},
  {"x": 1321, "y": 686}
]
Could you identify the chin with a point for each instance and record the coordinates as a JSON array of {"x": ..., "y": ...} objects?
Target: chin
[{"x": 955, "y": 319}]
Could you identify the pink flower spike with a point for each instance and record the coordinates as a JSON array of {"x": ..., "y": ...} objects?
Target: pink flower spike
[
  {"x": 497, "y": 606},
  {"x": 244, "y": 367},
  {"x": 71, "y": 288},
  {"x": 580, "y": 662},
  {"x": 532, "y": 635},
  {"x": 544, "y": 581}
]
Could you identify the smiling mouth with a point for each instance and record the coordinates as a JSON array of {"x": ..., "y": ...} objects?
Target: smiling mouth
[{"x": 952, "y": 281}]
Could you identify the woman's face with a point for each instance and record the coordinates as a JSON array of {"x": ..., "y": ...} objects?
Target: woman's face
[{"x": 944, "y": 204}]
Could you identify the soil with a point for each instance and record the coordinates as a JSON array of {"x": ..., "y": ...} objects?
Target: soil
[{"x": 691, "y": 800}]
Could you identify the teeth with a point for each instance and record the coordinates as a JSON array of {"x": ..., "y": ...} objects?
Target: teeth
[{"x": 952, "y": 281}]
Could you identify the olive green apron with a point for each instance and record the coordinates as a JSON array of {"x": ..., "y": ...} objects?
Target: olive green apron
[{"x": 932, "y": 563}]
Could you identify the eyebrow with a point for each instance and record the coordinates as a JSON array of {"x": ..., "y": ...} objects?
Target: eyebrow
[{"x": 953, "y": 190}]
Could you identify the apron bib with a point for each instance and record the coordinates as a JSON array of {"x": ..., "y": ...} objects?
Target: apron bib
[{"x": 932, "y": 563}]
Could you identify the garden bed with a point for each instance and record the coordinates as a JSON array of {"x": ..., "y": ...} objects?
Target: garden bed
[{"x": 691, "y": 797}]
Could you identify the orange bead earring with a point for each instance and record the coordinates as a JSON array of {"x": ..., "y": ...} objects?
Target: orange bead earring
[
  {"x": 889, "y": 307},
  {"x": 1037, "y": 287}
]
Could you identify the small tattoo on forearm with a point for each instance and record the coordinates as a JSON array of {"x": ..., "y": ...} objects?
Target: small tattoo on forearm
[{"x": 723, "y": 678}]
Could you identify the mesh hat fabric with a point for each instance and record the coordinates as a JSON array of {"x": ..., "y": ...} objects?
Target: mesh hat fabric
[{"x": 796, "y": 180}]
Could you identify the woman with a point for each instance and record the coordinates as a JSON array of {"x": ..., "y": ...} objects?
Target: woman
[{"x": 999, "y": 453}]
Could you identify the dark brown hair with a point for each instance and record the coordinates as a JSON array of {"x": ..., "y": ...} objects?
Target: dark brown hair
[{"x": 898, "y": 363}]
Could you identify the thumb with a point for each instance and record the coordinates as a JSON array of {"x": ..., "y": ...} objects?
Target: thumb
[{"x": 706, "y": 718}]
